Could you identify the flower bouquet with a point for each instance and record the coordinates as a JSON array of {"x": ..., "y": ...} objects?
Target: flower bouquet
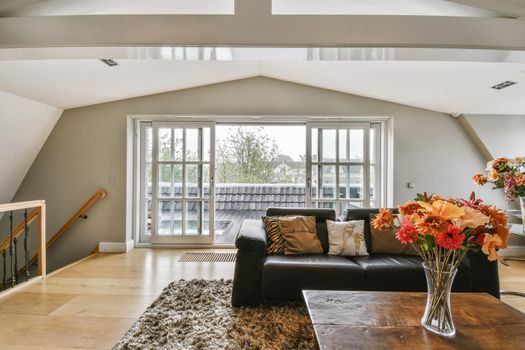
[
  {"x": 443, "y": 231},
  {"x": 508, "y": 174}
]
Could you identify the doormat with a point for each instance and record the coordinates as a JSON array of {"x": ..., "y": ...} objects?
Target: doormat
[{"x": 208, "y": 257}]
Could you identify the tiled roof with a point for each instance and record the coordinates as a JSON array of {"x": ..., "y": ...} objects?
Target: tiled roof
[{"x": 258, "y": 197}]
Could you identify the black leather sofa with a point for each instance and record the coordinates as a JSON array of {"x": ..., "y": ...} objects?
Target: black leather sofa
[{"x": 261, "y": 277}]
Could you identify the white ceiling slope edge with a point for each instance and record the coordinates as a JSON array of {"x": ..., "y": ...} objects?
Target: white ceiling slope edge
[
  {"x": 448, "y": 87},
  {"x": 24, "y": 127},
  {"x": 369, "y": 7}
]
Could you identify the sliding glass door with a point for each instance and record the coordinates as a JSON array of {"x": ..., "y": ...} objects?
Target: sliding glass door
[
  {"x": 342, "y": 165},
  {"x": 182, "y": 187},
  {"x": 323, "y": 165}
]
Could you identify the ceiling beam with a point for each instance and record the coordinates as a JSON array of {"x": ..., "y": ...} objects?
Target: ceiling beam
[
  {"x": 510, "y": 8},
  {"x": 11, "y": 4},
  {"x": 252, "y": 29}
]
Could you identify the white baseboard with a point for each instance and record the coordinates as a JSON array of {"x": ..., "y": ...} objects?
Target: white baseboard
[
  {"x": 512, "y": 250},
  {"x": 116, "y": 247}
]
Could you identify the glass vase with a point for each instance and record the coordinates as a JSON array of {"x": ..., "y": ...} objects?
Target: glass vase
[
  {"x": 438, "y": 316},
  {"x": 522, "y": 205}
]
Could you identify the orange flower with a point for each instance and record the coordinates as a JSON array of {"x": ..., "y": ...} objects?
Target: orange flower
[
  {"x": 383, "y": 219},
  {"x": 443, "y": 210},
  {"x": 408, "y": 209},
  {"x": 503, "y": 233},
  {"x": 430, "y": 225},
  {"x": 493, "y": 175},
  {"x": 497, "y": 217},
  {"x": 498, "y": 162},
  {"x": 490, "y": 244},
  {"x": 519, "y": 179},
  {"x": 472, "y": 218},
  {"x": 479, "y": 179}
]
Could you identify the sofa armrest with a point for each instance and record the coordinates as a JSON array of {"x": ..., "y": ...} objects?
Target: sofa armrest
[
  {"x": 251, "y": 254},
  {"x": 252, "y": 236}
]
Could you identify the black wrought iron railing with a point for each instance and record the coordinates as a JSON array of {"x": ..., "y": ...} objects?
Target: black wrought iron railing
[{"x": 10, "y": 247}]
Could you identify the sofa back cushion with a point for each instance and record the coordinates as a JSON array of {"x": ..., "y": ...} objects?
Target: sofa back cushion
[
  {"x": 300, "y": 235},
  {"x": 384, "y": 240},
  {"x": 350, "y": 214},
  {"x": 321, "y": 215}
]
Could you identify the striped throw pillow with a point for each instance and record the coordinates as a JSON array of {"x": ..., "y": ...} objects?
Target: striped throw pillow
[{"x": 274, "y": 235}]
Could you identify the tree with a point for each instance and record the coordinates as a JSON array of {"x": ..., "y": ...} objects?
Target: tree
[{"x": 247, "y": 156}]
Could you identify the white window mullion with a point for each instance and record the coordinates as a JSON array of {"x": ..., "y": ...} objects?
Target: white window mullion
[
  {"x": 154, "y": 180},
  {"x": 337, "y": 171},
  {"x": 366, "y": 168},
  {"x": 309, "y": 180},
  {"x": 184, "y": 192}
]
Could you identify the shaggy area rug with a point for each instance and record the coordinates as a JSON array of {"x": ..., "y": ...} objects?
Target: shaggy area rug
[{"x": 197, "y": 314}]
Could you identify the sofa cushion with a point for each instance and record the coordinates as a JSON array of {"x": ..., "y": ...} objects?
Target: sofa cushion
[
  {"x": 274, "y": 236},
  {"x": 285, "y": 276},
  {"x": 346, "y": 238},
  {"x": 350, "y": 214},
  {"x": 321, "y": 215},
  {"x": 300, "y": 235},
  {"x": 384, "y": 240},
  {"x": 392, "y": 272}
]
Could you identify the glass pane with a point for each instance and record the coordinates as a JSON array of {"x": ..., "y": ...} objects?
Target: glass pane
[
  {"x": 329, "y": 205},
  {"x": 327, "y": 139},
  {"x": 148, "y": 217},
  {"x": 205, "y": 180},
  {"x": 198, "y": 218},
  {"x": 170, "y": 144},
  {"x": 170, "y": 180},
  {"x": 372, "y": 184},
  {"x": 193, "y": 144},
  {"x": 344, "y": 145},
  {"x": 148, "y": 142},
  {"x": 315, "y": 150},
  {"x": 169, "y": 218},
  {"x": 351, "y": 182},
  {"x": 147, "y": 178},
  {"x": 373, "y": 142},
  {"x": 356, "y": 145},
  {"x": 327, "y": 181},
  {"x": 206, "y": 144},
  {"x": 194, "y": 180},
  {"x": 315, "y": 180}
]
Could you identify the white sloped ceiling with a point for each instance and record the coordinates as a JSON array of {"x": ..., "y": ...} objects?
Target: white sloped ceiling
[{"x": 24, "y": 127}]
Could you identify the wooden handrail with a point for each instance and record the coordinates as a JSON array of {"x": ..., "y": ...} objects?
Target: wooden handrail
[
  {"x": 20, "y": 228},
  {"x": 89, "y": 203},
  {"x": 98, "y": 195}
]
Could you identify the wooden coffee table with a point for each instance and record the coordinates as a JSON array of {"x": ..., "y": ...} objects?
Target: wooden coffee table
[{"x": 391, "y": 320}]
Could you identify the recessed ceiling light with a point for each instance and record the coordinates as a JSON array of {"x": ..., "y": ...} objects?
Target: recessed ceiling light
[
  {"x": 109, "y": 62},
  {"x": 503, "y": 85}
]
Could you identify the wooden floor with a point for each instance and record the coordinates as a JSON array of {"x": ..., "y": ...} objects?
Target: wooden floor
[{"x": 91, "y": 305}]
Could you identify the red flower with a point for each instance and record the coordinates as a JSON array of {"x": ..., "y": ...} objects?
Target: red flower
[
  {"x": 407, "y": 233},
  {"x": 451, "y": 239}
]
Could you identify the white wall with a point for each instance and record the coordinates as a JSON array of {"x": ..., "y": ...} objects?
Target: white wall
[
  {"x": 503, "y": 135},
  {"x": 24, "y": 127}
]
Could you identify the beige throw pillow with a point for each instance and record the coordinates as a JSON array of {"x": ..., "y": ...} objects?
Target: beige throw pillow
[
  {"x": 384, "y": 241},
  {"x": 346, "y": 238},
  {"x": 300, "y": 235}
]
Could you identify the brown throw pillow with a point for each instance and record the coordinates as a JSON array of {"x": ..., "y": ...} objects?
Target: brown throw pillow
[
  {"x": 300, "y": 235},
  {"x": 274, "y": 237},
  {"x": 385, "y": 242}
]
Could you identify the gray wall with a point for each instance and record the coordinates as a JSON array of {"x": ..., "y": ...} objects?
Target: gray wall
[
  {"x": 88, "y": 145},
  {"x": 503, "y": 135}
]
